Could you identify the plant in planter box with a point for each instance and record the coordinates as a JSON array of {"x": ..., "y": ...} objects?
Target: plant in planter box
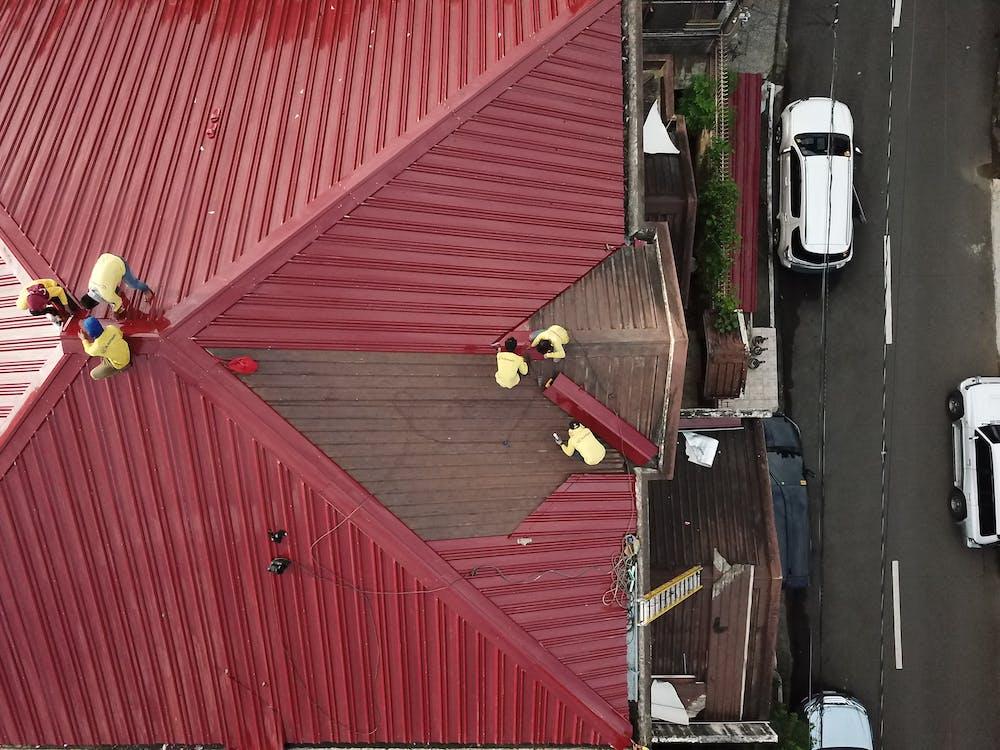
[{"x": 719, "y": 239}]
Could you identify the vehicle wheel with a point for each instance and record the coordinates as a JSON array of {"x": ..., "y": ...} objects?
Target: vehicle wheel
[
  {"x": 956, "y": 505},
  {"x": 956, "y": 406}
]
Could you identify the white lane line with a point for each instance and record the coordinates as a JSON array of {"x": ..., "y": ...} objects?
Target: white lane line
[
  {"x": 897, "y": 9},
  {"x": 896, "y": 622},
  {"x": 887, "y": 268}
]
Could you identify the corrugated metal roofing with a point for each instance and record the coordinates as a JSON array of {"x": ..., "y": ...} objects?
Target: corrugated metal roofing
[
  {"x": 137, "y": 608},
  {"x": 432, "y": 436},
  {"x": 108, "y": 110},
  {"x": 622, "y": 335},
  {"x": 745, "y": 166},
  {"x": 553, "y": 575},
  {"x": 726, "y": 508},
  {"x": 29, "y": 347},
  {"x": 476, "y": 234},
  {"x": 211, "y": 143}
]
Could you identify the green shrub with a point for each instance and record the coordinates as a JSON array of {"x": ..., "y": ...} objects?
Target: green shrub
[
  {"x": 697, "y": 103},
  {"x": 792, "y": 731},
  {"x": 719, "y": 239}
]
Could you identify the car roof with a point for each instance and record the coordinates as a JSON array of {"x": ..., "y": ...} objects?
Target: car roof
[
  {"x": 842, "y": 721},
  {"x": 828, "y": 196},
  {"x": 813, "y": 115}
]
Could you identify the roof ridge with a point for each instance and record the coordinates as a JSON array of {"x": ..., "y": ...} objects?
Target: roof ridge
[
  {"x": 198, "y": 310},
  {"x": 193, "y": 363},
  {"x": 37, "y": 407},
  {"x": 22, "y": 249}
]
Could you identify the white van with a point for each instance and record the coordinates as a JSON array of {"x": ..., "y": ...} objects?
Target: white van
[
  {"x": 815, "y": 226},
  {"x": 975, "y": 429}
]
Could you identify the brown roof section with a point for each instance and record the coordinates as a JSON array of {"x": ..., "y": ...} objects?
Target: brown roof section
[
  {"x": 725, "y": 508},
  {"x": 432, "y": 436},
  {"x": 627, "y": 337}
]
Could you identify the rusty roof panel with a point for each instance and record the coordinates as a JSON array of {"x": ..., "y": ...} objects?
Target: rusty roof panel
[
  {"x": 29, "y": 347},
  {"x": 204, "y": 127},
  {"x": 144, "y": 566},
  {"x": 475, "y": 235},
  {"x": 431, "y": 436},
  {"x": 625, "y": 336},
  {"x": 552, "y": 576},
  {"x": 728, "y": 508}
]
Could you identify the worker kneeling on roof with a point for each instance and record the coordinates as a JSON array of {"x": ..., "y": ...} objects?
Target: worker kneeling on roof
[
  {"x": 581, "y": 440},
  {"x": 46, "y": 297},
  {"x": 107, "y": 342},
  {"x": 550, "y": 341},
  {"x": 510, "y": 365}
]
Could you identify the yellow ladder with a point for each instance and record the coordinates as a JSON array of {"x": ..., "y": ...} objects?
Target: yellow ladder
[{"x": 669, "y": 595}]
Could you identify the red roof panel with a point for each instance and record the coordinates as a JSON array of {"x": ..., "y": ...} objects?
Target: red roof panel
[
  {"x": 553, "y": 576},
  {"x": 144, "y": 607},
  {"x": 211, "y": 143},
  {"x": 107, "y": 144},
  {"x": 745, "y": 167},
  {"x": 475, "y": 235}
]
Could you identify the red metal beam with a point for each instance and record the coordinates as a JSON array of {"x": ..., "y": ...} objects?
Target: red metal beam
[{"x": 603, "y": 422}]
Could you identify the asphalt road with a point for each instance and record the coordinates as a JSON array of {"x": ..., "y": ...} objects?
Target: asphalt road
[{"x": 947, "y": 694}]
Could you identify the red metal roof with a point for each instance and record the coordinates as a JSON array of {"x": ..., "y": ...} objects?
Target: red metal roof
[
  {"x": 553, "y": 575},
  {"x": 137, "y": 606},
  {"x": 217, "y": 146},
  {"x": 745, "y": 166},
  {"x": 507, "y": 206}
]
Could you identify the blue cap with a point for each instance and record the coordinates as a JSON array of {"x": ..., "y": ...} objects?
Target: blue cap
[{"x": 92, "y": 327}]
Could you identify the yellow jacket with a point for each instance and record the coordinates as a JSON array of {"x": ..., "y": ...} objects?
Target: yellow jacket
[
  {"x": 582, "y": 439},
  {"x": 112, "y": 346},
  {"x": 51, "y": 286},
  {"x": 105, "y": 278},
  {"x": 510, "y": 367},
  {"x": 557, "y": 336}
]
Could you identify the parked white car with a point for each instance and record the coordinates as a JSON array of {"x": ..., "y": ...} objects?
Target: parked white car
[
  {"x": 975, "y": 428},
  {"x": 837, "y": 722},
  {"x": 815, "y": 226}
]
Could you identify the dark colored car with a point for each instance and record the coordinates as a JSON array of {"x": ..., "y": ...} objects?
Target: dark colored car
[{"x": 791, "y": 501}]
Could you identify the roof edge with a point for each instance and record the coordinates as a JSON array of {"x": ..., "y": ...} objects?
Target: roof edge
[
  {"x": 37, "y": 407},
  {"x": 16, "y": 243},
  {"x": 199, "y": 310},
  {"x": 197, "y": 366}
]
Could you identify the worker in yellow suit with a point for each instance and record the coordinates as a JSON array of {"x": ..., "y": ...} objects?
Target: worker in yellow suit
[
  {"x": 510, "y": 365},
  {"x": 46, "y": 297},
  {"x": 582, "y": 441},
  {"x": 107, "y": 342},
  {"x": 550, "y": 341},
  {"x": 108, "y": 273}
]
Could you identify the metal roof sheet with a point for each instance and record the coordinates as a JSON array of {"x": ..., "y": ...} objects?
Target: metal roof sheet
[
  {"x": 726, "y": 508},
  {"x": 212, "y": 143},
  {"x": 136, "y": 592},
  {"x": 478, "y": 232},
  {"x": 745, "y": 166},
  {"x": 553, "y": 575},
  {"x": 431, "y": 436},
  {"x": 184, "y": 134}
]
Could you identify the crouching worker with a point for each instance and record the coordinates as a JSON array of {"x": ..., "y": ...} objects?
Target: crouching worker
[
  {"x": 549, "y": 342},
  {"x": 110, "y": 271},
  {"x": 582, "y": 441},
  {"x": 510, "y": 365},
  {"x": 108, "y": 343},
  {"x": 46, "y": 297}
]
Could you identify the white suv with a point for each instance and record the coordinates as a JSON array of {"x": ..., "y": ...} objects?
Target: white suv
[
  {"x": 816, "y": 166},
  {"x": 975, "y": 428}
]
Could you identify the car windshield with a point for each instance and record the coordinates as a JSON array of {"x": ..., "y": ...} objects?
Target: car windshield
[{"x": 818, "y": 144}]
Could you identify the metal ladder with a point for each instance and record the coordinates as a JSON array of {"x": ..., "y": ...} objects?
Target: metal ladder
[{"x": 664, "y": 598}]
